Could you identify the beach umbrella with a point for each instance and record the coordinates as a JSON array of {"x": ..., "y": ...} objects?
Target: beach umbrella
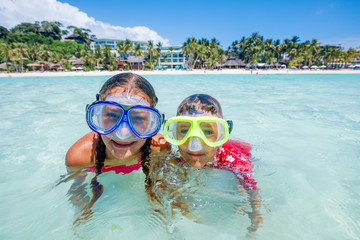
[
  {"x": 305, "y": 67},
  {"x": 283, "y": 66},
  {"x": 314, "y": 67},
  {"x": 293, "y": 67},
  {"x": 322, "y": 66}
]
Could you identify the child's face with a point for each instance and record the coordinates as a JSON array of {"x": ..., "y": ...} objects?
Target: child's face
[
  {"x": 123, "y": 148},
  {"x": 199, "y": 158}
]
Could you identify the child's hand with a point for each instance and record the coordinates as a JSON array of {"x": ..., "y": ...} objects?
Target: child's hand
[{"x": 158, "y": 143}]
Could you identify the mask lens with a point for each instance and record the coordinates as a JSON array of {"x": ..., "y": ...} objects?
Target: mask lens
[
  {"x": 104, "y": 116},
  {"x": 213, "y": 131},
  {"x": 144, "y": 121},
  {"x": 182, "y": 129},
  {"x": 177, "y": 130}
]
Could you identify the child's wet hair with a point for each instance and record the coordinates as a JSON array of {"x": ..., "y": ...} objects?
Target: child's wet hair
[
  {"x": 130, "y": 81},
  {"x": 197, "y": 102}
]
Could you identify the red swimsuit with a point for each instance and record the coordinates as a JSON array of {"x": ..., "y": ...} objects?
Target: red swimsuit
[
  {"x": 118, "y": 169},
  {"x": 234, "y": 156}
]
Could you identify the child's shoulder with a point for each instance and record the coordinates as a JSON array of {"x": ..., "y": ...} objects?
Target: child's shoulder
[{"x": 82, "y": 152}]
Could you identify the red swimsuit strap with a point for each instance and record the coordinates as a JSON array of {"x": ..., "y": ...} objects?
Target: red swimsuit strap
[{"x": 118, "y": 169}]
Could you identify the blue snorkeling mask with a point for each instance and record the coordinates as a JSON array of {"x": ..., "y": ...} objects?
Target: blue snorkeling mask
[{"x": 125, "y": 116}]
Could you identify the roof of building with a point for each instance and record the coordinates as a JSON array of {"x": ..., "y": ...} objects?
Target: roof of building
[
  {"x": 233, "y": 61},
  {"x": 78, "y": 62},
  {"x": 134, "y": 59}
]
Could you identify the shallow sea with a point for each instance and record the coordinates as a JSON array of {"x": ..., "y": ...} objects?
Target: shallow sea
[{"x": 305, "y": 133}]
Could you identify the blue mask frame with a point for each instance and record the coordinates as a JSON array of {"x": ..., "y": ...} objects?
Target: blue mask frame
[{"x": 123, "y": 118}]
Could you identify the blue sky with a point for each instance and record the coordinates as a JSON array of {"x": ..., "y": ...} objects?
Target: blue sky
[{"x": 331, "y": 22}]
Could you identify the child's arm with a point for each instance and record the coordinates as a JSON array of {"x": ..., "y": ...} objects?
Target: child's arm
[
  {"x": 236, "y": 158},
  {"x": 161, "y": 191},
  {"x": 255, "y": 216}
]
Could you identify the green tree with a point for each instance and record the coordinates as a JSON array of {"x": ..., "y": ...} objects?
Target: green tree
[{"x": 3, "y": 32}]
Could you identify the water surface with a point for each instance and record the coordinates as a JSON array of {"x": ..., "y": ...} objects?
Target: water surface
[{"x": 305, "y": 132}]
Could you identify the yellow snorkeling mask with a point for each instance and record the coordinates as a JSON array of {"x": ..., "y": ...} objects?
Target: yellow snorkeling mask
[{"x": 213, "y": 131}]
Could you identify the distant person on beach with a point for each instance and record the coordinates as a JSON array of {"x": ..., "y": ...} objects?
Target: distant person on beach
[
  {"x": 201, "y": 134},
  {"x": 125, "y": 126}
]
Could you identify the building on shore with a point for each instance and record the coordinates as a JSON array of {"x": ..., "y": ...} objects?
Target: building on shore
[
  {"x": 233, "y": 63},
  {"x": 77, "y": 38},
  {"x": 112, "y": 43},
  {"x": 172, "y": 57}
]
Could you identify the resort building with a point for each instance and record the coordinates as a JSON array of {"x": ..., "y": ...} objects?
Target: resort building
[
  {"x": 172, "y": 57},
  {"x": 112, "y": 45},
  {"x": 77, "y": 38}
]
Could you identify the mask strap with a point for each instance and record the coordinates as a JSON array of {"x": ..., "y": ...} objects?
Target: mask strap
[{"x": 230, "y": 124}]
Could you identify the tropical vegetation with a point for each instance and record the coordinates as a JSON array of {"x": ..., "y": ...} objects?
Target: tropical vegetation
[{"x": 42, "y": 42}]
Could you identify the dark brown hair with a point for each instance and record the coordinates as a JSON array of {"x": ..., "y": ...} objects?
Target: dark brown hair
[{"x": 200, "y": 102}]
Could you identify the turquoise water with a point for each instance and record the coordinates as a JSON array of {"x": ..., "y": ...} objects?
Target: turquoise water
[{"x": 305, "y": 132}]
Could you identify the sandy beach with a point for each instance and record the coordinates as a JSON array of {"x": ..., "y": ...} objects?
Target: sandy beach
[{"x": 179, "y": 72}]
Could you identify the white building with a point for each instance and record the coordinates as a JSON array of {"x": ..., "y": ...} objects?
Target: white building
[
  {"x": 172, "y": 57},
  {"x": 112, "y": 45}
]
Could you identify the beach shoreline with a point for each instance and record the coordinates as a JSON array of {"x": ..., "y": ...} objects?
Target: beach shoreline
[{"x": 181, "y": 72}]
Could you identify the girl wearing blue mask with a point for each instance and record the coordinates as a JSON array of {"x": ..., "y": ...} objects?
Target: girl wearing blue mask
[{"x": 124, "y": 124}]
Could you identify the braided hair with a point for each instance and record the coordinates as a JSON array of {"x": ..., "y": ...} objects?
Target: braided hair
[
  {"x": 100, "y": 155},
  {"x": 145, "y": 160}
]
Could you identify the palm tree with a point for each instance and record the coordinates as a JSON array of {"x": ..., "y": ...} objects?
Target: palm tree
[
  {"x": 348, "y": 55},
  {"x": 138, "y": 50},
  {"x": 314, "y": 50},
  {"x": 128, "y": 46},
  {"x": 150, "y": 52},
  {"x": 158, "y": 52},
  {"x": 6, "y": 53},
  {"x": 21, "y": 50},
  {"x": 106, "y": 55},
  {"x": 171, "y": 49},
  {"x": 120, "y": 48},
  {"x": 190, "y": 47}
]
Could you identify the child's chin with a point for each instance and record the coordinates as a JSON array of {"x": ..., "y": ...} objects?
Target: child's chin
[{"x": 196, "y": 164}]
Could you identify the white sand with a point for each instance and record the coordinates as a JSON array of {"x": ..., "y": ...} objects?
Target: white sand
[{"x": 179, "y": 72}]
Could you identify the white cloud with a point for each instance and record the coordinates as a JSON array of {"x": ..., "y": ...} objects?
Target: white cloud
[{"x": 13, "y": 12}]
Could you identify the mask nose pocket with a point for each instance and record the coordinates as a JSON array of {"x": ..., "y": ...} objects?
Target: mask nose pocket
[
  {"x": 195, "y": 144},
  {"x": 123, "y": 131}
]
